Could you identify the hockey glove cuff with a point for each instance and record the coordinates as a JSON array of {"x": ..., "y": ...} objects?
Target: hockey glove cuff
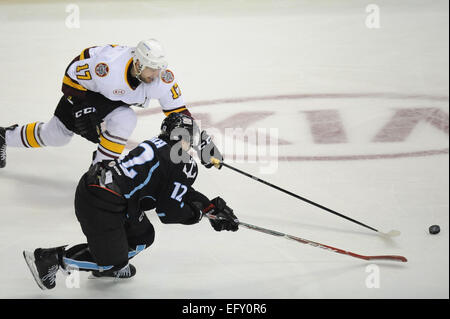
[
  {"x": 207, "y": 150},
  {"x": 197, "y": 202}
]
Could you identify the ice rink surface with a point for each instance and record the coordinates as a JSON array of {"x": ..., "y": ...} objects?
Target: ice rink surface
[{"x": 357, "y": 106}]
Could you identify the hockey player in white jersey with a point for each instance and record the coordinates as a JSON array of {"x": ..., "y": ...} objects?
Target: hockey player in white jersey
[{"x": 100, "y": 85}]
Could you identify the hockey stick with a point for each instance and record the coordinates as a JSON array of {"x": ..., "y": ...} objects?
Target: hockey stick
[
  {"x": 391, "y": 233},
  {"x": 315, "y": 244}
]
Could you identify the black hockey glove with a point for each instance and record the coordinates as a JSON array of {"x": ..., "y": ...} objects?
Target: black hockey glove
[
  {"x": 207, "y": 149},
  {"x": 197, "y": 202},
  {"x": 222, "y": 215},
  {"x": 86, "y": 122}
]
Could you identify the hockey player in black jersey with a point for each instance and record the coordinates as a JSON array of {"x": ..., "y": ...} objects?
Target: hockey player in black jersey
[{"x": 112, "y": 197}]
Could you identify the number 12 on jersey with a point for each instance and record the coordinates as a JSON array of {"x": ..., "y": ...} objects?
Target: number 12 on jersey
[{"x": 176, "y": 194}]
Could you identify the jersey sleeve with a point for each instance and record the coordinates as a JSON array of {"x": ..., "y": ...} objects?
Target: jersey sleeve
[
  {"x": 175, "y": 199},
  {"x": 170, "y": 97},
  {"x": 78, "y": 83},
  {"x": 77, "y": 78},
  {"x": 172, "y": 209}
]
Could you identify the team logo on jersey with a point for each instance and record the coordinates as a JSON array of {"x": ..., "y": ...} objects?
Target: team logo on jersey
[
  {"x": 101, "y": 69},
  {"x": 167, "y": 76},
  {"x": 192, "y": 172}
]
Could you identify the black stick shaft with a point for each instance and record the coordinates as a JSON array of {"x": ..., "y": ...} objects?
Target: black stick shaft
[{"x": 297, "y": 196}]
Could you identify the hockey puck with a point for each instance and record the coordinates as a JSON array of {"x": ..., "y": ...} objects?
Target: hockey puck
[{"x": 435, "y": 229}]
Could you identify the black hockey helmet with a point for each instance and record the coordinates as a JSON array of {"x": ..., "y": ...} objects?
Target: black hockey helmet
[{"x": 178, "y": 126}]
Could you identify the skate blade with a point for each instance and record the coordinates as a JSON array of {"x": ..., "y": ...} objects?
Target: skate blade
[
  {"x": 108, "y": 279},
  {"x": 29, "y": 259}
]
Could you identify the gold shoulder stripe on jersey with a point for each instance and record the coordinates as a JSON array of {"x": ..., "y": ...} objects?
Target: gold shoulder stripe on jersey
[
  {"x": 126, "y": 70},
  {"x": 68, "y": 81}
]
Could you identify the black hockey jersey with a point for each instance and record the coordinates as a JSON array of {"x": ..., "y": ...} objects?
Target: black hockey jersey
[{"x": 149, "y": 178}]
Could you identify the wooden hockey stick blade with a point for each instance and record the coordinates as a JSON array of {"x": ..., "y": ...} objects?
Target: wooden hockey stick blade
[
  {"x": 345, "y": 252},
  {"x": 388, "y": 257},
  {"x": 319, "y": 245}
]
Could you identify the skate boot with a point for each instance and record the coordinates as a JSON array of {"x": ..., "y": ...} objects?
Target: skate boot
[
  {"x": 2, "y": 147},
  {"x": 44, "y": 264},
  {"x": 127, "y": 271},
  {"x": 3, "y": 144}
]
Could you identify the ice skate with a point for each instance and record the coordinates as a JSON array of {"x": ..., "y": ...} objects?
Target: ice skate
[
  {"x": 124, "y": 273},
  {"x": 3, "y": 144},
  {"x": 44, "y": 263}
]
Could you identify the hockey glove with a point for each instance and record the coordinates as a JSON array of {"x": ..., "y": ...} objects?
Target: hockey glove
[
  {"x": 207, "y": 149},
  {"x": 86, "y": 123},
  {"x": 197, "y": 202},
  {"x": 222, "y": 216}
]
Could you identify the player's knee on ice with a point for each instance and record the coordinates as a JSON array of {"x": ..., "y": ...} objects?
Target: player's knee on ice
[{"x": 140, "y": 231}]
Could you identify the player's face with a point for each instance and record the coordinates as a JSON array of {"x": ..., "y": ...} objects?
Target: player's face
[{"x": 149, "y": 74}]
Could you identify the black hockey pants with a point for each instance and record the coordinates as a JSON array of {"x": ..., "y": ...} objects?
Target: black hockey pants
[{"x": 110, "y": 233}]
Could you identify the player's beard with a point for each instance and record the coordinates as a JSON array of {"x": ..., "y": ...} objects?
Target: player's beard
[{"x": 144, "y": 80}]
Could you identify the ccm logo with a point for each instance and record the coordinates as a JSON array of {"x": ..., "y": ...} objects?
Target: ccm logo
[
  {"x": 119, "y": 92},
  {"x": 84, "y": 111}
]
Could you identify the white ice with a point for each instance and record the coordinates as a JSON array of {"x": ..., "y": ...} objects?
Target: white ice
[{"x": 249, "y": 49}]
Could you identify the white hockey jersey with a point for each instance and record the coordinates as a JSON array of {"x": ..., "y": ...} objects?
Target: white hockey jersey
[{"x": 104, "y": 69}]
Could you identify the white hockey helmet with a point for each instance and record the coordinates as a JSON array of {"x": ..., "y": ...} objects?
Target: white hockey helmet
[{"x": 150, "y": 53}]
